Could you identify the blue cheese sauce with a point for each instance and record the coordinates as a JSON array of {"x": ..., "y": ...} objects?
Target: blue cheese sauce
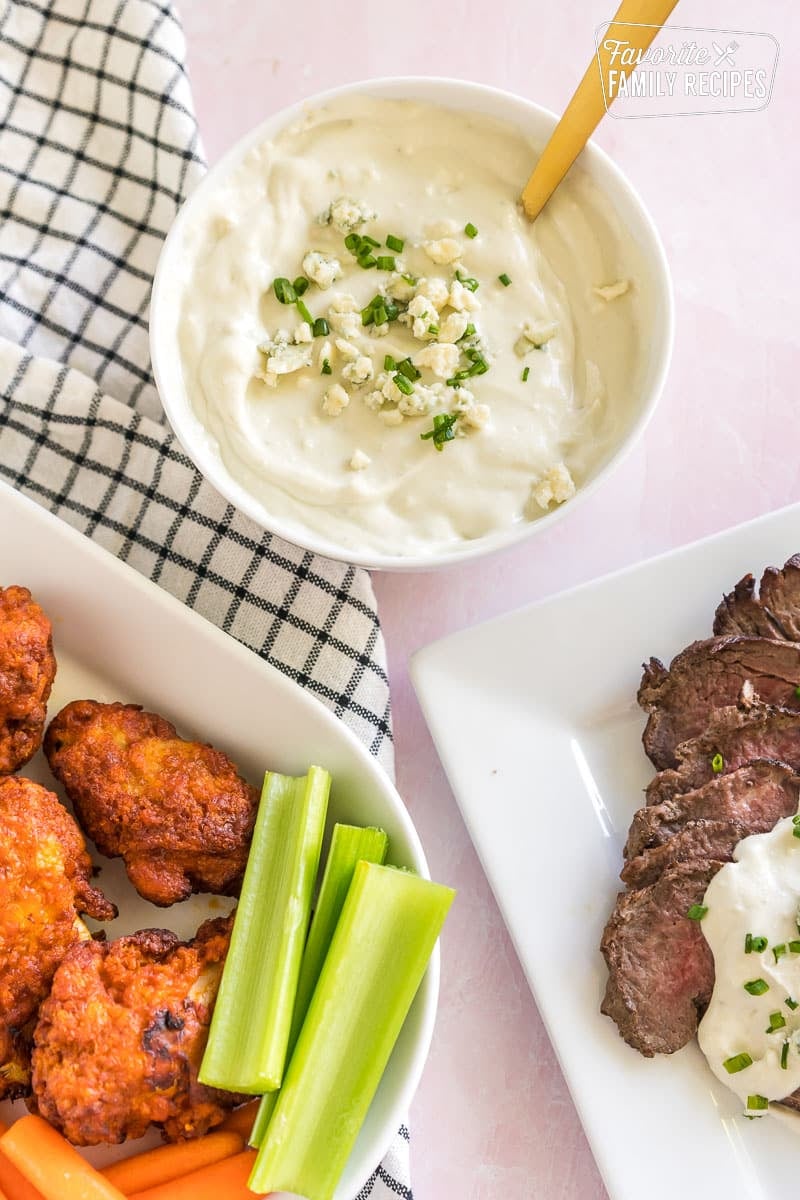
[
  {"x": 753, "y": 1021},
  {"x": 402, "y": 223}
]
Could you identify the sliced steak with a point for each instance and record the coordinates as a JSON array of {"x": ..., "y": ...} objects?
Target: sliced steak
[
  {"x": 708, "y": 675},
  {"x": 660, "y": 967},
  {"x": 774, "y": 613},
  {"x": 754, "y": 797},
  {"x": 740, "y": 735},
  {"x": 695, "y": 840}
]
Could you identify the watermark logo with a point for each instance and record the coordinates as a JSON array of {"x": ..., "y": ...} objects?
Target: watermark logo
[{"x": 684, "y": 72}]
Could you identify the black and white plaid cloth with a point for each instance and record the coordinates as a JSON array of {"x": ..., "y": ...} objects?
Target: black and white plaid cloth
[{"x": 98, "y": 148}]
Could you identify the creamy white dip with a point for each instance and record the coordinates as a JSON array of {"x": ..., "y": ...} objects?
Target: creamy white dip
[
  {"x": 341, "y": 453},
  {"x": 757, "y": 894}
]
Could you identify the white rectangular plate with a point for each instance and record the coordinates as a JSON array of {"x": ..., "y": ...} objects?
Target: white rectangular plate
[
  {"x": 119, "y": 637},
  {"x": 535, "y": 718}
]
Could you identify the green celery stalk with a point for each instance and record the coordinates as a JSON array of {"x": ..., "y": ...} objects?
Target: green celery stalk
[
  {"x": 249, "y": 1032},
  {"x": 383, "y": 940},
  {"x": 349, "y": 844}
]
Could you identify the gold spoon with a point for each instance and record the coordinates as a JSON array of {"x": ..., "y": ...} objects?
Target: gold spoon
[{"x": 642, "y": 20}]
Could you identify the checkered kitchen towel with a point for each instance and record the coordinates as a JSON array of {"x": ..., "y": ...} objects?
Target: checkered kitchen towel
[{"x": 98, "y": 147}]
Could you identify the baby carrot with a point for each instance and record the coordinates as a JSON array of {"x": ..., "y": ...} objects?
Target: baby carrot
[
  {"x": 154, "y": 1167},
  {"x": 14, "y": 1185},
  {"x": 47, "y": 1161},
  {"x": 241, "y": 1119},
  {"x": 227, "y": 1179}
]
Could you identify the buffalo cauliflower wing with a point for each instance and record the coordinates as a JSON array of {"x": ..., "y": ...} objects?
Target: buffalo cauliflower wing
[
  {"x": 175, "y": 811},
  {"x": 27, "y": 668},
  {"x": 44, "y": 885},
  {"x": 120, "y": 1039}
]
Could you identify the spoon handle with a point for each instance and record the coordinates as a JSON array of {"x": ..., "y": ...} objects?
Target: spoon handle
[{"x": 643, "y": 20}]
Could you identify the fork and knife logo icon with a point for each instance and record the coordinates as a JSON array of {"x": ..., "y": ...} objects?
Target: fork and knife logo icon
[{"x": 725, "y": 55}]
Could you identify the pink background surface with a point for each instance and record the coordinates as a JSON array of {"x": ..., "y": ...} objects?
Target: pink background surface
[{"x": 493, "y": 1118}]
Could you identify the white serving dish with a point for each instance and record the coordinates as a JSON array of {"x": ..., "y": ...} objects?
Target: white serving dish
[
  {"x": 118, "y": 636},
  {"x": 537, "y": 123},
  {"x": 535, "y": 718}
]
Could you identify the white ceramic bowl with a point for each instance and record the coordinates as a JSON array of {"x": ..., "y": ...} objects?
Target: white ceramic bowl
[{"x": 537, "y": 123}]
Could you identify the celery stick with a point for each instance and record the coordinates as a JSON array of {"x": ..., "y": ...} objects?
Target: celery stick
[
  {"x": 349, "y": 844},
  {"x": 249, "y": 1032},
  {"x": 378, "y": 954}
]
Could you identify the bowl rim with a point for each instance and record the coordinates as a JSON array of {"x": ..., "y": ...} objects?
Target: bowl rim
[{"x": 210, "y": 463}]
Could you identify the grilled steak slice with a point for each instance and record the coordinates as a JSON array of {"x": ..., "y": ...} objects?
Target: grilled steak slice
[
  {"x": 774, "y": 613},
  {"x": 696, "y": 840},
  {"x": 739, "y": 735},
  {"x": 755, "y": 797},
  {"x": 660, "y": 967},
  {"x": 709, "y": 675}
]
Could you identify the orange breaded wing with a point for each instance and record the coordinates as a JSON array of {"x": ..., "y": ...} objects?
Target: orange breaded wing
[
  {"x": 121, "y": 1036},
  {"x": 27, "y": 668},
  {"x": 176, "y": 811},
  {"x": 44, "y": 885}
]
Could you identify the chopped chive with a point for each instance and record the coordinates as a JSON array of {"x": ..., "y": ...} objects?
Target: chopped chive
[
  {"x": 776, "y": 1021},
  {"x": 442, "y": 430},
  {"x": 470, "y": 230},
  {"x": 468, "y": 281},
  {"x": 386, "y": 262},
  {"x": 779, "y": 950},
  {"x": 433, "y": 330},
  {"x": 784, "y": 1055},
  {"x": 326, "y": 367},
  {"x": 389, "y": 363},
  {"x": 790, "y": 1003},
  {"x": 757, "y": 1102},
  {"x": 504, "y": 279},
  {"x": 717, "y": 764},
  {"x": 366, "y": 240},
  {"x": 468, "y": 332},
  {"x": 304, "y": 313},
  {"x": 411, "y": 280},
  {"x": 697, "y": 912},
  {"x": 405, "y": 385},
  {"x": 748, "y": 943},
  {"x": 300, "y": 285},
  {"x": 394, "y": 243},
  {"x": 794, "y": 947},
  {"x": 407, "y": 368},
  {"x": 525, "y": 373},
  {"x": 284, "y": 290},
  {"x": 737, "y": 1062},
  {"x": 796, "y": 831},
  {"x": 321, "y": 328},
  {"x": 753, "y": 944},
  {"x": 365, "y": 261},
  {"x": 379, "y": 311},
  {"x": 756, "y": 987},
  {"x": 797, "y": 691}
]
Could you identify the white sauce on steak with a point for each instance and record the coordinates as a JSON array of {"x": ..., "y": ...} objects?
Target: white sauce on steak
[{"x": 756, "y": 895}]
